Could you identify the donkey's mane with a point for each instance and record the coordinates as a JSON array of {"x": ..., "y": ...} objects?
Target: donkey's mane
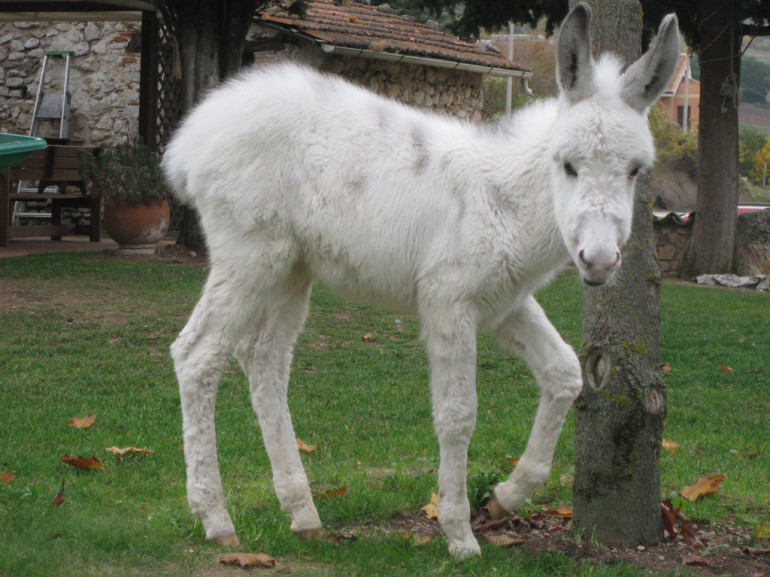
[{"x": 607, "y": 77}]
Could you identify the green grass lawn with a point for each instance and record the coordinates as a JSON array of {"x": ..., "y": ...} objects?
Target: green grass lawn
[{"x": 85, "y": 335}]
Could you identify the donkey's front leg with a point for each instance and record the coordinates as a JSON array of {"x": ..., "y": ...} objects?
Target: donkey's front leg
[
  {"x": 529, "y": 334},
  {"x": 450, "y": 339}
]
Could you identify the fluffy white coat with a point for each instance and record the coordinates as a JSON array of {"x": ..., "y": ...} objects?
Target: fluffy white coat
[{"x": 300, "y": 177}]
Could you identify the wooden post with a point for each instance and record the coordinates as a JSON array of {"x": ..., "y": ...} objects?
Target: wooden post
[{"x": 148, "y": 81}]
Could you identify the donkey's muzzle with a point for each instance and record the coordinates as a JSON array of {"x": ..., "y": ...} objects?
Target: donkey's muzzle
[{"x": 596, "y": 268}]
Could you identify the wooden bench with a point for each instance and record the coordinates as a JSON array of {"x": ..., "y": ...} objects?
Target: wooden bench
[{"x": 56, "y": 165}]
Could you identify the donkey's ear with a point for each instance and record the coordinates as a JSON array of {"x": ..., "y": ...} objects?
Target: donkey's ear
[
  {"x": 574, "y": 70},
  {"x": 647, "y": 78}
]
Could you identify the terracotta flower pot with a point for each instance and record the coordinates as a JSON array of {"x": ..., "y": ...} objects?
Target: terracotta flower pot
[{"x": 136, "y": 228}]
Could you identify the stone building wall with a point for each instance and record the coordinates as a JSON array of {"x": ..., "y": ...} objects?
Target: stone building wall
[
  {"x": 457, "y": 93},
  {"x": 104, "y": 78},
  {"x": 103, "y": 83}
]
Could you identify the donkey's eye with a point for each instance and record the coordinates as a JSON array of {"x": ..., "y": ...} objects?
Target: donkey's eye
[
  {"x": 569, "y": 170},
  {"x": 633, "y": 173}
]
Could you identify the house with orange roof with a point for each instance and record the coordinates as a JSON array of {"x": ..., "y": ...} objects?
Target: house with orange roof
[
  {"x": 395, "y": 55},
  {"x": 681, "y": 100}
]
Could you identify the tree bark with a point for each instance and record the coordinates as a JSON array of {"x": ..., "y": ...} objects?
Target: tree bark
[
  {"x": 619, "y": 416},
  {"x": 211, "y": 40},
  {"x": 711, "y": 247}
]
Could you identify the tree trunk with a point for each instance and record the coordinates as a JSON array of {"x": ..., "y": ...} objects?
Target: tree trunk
[
  {"x": 619, "y": 416},
  {"x": 211, "y": 40},
  {"x": 711, "y": 247}
]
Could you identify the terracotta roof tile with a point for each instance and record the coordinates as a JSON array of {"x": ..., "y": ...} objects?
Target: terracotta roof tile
[{"x": 355, "y": 25}]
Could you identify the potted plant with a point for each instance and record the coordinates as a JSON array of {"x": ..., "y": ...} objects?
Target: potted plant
[{"x": 134, "y": 192}]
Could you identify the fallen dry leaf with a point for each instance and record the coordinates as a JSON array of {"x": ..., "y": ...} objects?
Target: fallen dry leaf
[
  {"x": 82, "y": 462},
  {"x": 339, "y": 536},
  {"x": 665, "y": 368},
  {"x": 247, "y": 560},
  {"x": 503, "y": 540},
  {"x": 690, "y": 538},
  {"x": 563, "y": 511},
  {"x": 512, "y": 461},
  {"x": 695, "y": 560},
  {"x": 330, "y": 493},
  {"x": 763, "y": 532},
  {"x": 702, "y": 486},
  {"x": 414, "y": 539},
  {"x": 483, "y": 524},
  {"x": 368, "y": 336},
  {"x": 59, "y": 499},
  {"x": 302, "y": 446},
  {"x": 6, "y": 477},
  {"x": 431, "y": 509},
  {"x": 82, "y": 422},
  {"x": 670, "y": 445},
  {"x": 726, "y": 370},
  {"x": 759, "y": 573},
  {"x": 670, "y": 515},
  {"x": 125, "y": 450},
  {"x": 754, "y": 551}
]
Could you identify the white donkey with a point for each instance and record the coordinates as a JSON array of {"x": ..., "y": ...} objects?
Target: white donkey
[{"x": 299, "y": 177}]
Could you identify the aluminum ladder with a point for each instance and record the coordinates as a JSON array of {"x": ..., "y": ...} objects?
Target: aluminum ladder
[{"x": 53, "y": 107}]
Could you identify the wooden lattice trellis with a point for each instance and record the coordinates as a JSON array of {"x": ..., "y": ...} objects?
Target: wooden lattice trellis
[
  {"x": 167, "y": 90},
  {"x": 168, "y": 103}
]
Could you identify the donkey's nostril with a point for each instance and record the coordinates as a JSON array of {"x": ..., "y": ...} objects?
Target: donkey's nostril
[
  {"x": 618, "y": 259},
  {"x": 582, "y": 257}
]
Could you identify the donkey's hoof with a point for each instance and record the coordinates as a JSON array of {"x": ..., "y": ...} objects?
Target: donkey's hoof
[
  {"x": 465, "y": 550},
  {"x": 308, "y": 534},
  {"x": 495, "y": 509},
  {"x": 230, "y": 540}
]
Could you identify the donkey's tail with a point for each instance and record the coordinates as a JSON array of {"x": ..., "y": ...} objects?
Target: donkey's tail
[{"x": 176, "y": 170}]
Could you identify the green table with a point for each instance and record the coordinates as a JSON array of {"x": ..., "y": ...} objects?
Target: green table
[{"x": 14, "y": 148}]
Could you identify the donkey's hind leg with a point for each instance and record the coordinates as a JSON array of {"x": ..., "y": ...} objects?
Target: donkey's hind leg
[
  {"x": 200, "y": 353},
  {"x": 529, "y": 334},
  {"x": 265, "y": 355}
]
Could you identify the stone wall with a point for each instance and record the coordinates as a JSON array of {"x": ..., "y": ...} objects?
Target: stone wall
[
  {"x": 104, "y": 76},
  {"x": 104, "y": 79},
  {"x": 752, "y": 244},
  {"x": 671, "y": 237}
]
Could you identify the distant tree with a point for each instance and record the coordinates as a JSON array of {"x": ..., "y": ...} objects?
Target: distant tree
[
  {"x": 749, "y": 144},
  {"x": 715, "y": 29},
  {"x": 761, "y": 162},
  {"x": 755, "y": 81}
]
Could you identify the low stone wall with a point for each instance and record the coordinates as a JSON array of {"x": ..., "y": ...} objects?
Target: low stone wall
[
  {"x": 103, "y": 83},
  {"x": 752, "y": 244},
  {"x": 671, "y": 237}
]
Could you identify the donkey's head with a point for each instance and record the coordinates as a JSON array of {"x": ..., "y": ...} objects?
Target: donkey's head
[{"x": 602, "y": 140}]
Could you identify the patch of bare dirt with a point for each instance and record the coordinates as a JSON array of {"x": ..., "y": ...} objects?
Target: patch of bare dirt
[
  {"x": 24, "y": 295},
  {"x": 708, "y": 550},
  {"x": 167, "y": 252},
  {"x": 711, "y": 550}
]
